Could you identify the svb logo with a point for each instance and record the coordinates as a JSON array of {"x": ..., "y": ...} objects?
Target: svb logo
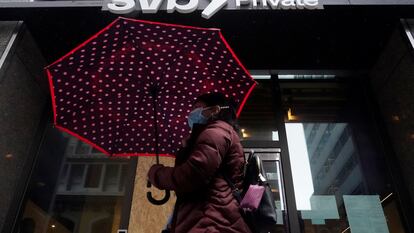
[{"x": 152, "y": 6}]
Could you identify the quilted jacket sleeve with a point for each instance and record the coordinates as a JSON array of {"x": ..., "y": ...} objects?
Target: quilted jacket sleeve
[{"x": 200, "y": 167}]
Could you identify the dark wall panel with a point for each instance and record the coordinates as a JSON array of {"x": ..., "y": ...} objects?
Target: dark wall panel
[{"x": 22, "y": 104}]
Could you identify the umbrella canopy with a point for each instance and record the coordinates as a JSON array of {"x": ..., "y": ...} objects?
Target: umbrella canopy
[{"x": 128, "y": 89}]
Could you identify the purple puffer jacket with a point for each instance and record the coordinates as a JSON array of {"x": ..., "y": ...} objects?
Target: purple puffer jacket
[{"x": 205, "y": 203}]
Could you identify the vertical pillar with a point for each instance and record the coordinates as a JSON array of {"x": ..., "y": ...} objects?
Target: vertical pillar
[
  {"x": 392, "y": 85},
  {"x": 22, "y": 105}
]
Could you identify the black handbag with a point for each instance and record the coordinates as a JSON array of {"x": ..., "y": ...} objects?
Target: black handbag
[{"x": 265, "y": 216}]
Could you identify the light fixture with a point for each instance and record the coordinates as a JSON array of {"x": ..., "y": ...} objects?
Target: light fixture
[
  {"x": 306, "y": 76},
  {"x": 53, "y": 226},
  {"x": 244, "y": 134},
  {"x": 8, "y": 156},
  {"x": 396, "y": 118},
  {"x": 261, "y": 76},
  {"x": 290, "y": 116}
]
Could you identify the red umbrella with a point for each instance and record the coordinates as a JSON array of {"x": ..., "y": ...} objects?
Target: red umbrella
[
  {"x": 128, "y": 89},
  {"x": 108, "y": 91}
]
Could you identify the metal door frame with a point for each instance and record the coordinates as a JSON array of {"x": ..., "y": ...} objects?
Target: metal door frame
[{"x": 292, "y": 223}]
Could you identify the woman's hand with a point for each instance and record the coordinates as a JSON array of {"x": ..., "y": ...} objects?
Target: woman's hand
[{"x": 152, "y": 173}]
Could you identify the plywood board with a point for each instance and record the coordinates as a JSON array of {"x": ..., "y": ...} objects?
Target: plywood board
[{"x": 146, "y": 217}]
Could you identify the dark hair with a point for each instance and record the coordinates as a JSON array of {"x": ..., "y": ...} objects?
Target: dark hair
[{"x": 226, "y": 114}]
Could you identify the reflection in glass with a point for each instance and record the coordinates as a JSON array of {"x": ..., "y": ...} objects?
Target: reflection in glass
[
  {"x": 76, "y": 177},
  {"x": 271, "y": 170},
  {"x": 257, "y": 120},
  {"x": 93, "y": 175},
  {"x": 273, "y": 177},
  {"x": 365, "y": 214},
  {"x": 301, "y": 171},
  {"x": 330, "y": 189},
  {"x": 74, "y": 189}
]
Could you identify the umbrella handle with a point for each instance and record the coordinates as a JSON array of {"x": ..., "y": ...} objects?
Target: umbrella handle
[{"x": 155, "y": 201}]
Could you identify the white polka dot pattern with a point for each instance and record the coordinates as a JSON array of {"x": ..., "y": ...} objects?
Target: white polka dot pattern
[{"x": 102, "y": 89}]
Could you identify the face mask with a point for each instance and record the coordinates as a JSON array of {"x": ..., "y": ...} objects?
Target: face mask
[{"x": 196, "y": 117}]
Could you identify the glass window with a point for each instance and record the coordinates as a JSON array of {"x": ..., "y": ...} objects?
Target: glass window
[
  {"x": 70, "y": 193},
  {"x": 76, "y": 174},
  {"x": 82, "y": 148},
  {"x": 112, "y": 176},
  {"x": 340, "y": 179},
  {"x": 257, "y": 120},
  {"x": 259, "y": 132},
  {"x": 93, "y": 175}
]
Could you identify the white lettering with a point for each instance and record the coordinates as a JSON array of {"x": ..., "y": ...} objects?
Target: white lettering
[
  {"x": 254, "y": 3},
  {"x": 239, "y": 3},
  {"x": 212, "y": 8},
  {"x": 189, "y": 7},
  {"x": 273, "y": 3},
  {"x": 150, "y": 7},
  {"x": 121, "y": 6},
  {"x": 287, "y": 4},
  {"x": 300, "y": 4},
  {"x": 311, "y": 4}
]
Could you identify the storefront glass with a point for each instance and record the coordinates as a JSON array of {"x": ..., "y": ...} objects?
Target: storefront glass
[
  {"x": 259, "y": 134},
  {"x": 74, "y": 188},
  {"x": 340, "y": 178}
]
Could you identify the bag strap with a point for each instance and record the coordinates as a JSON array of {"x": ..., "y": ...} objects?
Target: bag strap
[
  {"x": 229, "y": 182},
  {"x": 236, "y": 192}
]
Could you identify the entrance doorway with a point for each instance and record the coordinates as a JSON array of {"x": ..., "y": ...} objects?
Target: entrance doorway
[
  {"x": 272, "y": 171},
  {"x": 334, "y": 175}
]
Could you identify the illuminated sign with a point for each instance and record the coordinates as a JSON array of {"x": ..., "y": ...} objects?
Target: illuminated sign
[{"x": 209, "y": 8}]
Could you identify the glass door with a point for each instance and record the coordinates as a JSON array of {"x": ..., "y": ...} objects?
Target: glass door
[
  {"x": 272, "y": 171},
  {"x": 332, "y": 172},
  {"x": 259, "y": 133},
  {"x": 340, "y": 177}
]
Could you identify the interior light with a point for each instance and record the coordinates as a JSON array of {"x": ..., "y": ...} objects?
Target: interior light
[
  {"x": 261, "y": 76},
  {"x": 275, "y": 136},
  {"x": 291, "y": 117},
  {"x": 286, "y": 76},
  {"x": 244, "y": 134},
  {"x": 53, "y": 226},
  {"x": 8, "y": 156},
  {"x": 306, "y": 76},
  {"x": 395, "y": 118}
]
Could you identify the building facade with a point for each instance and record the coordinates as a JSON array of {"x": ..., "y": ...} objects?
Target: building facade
[{"x": 331, "y": 118}]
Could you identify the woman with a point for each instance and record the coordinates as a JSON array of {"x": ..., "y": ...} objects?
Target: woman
[{"x": 205, "y": 203}]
